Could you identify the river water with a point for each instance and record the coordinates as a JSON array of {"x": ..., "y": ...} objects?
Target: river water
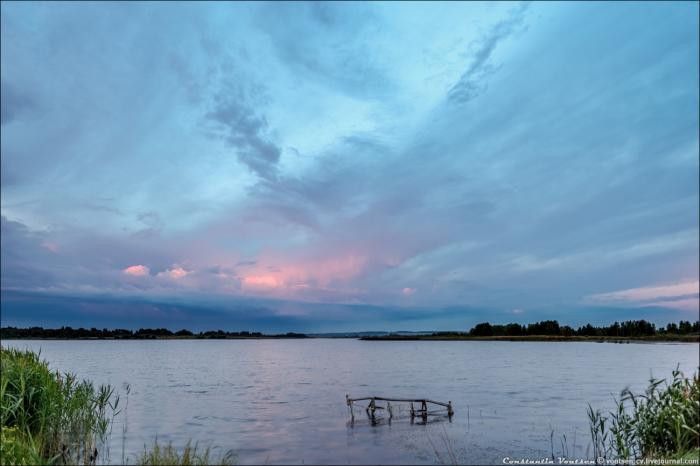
[{"x": 283, "y": 401}]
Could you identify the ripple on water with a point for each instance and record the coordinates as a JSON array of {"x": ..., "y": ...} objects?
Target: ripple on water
[{"x": 286, "y": 398}]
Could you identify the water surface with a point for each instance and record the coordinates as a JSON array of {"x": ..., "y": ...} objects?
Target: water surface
[{"x": 283, "y": 401}]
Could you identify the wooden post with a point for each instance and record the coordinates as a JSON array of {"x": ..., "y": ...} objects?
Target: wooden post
[
  {"x": 372, "y": 407},
  {"x": 449, "y": 409},
  {"x": 424, "y": 407},
  {"x": 413, "y": 411}
]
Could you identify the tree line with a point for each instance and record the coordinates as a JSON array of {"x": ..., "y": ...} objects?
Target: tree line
[
  {"x": 69, "y": 333},
  {"x": 629, "y": 328}
]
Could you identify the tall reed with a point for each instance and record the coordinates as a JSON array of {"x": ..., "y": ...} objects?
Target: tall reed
[
  {"x": 663, "y": 422},
  {"x": 47, "y": 417},
  {"x": 191, "y": 455}
]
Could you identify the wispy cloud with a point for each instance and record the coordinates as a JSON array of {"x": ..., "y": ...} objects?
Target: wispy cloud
[
  {"x": 245, "y": 132},
  {"x": 682, "y": 295},
  {"x": 472, "y": 81}
]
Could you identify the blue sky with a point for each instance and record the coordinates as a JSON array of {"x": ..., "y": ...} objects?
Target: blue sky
[{"x": 349, "y": 165}]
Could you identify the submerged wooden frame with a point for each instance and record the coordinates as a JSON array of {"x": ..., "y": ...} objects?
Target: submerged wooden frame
[{"x": 422, "y": 411}]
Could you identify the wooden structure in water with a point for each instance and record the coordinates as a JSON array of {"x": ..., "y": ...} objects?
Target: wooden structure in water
[{"x": 419, "y": 406}]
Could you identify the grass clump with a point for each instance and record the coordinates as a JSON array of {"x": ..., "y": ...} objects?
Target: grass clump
[
  {"x": 47, "y": 417},
  {"x": 167, "y": 455},
  {"x": 663, "y": 422}
]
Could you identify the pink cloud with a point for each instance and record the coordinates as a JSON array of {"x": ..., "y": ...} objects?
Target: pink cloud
[
  {"x": 681, "y": 295},
  {"x": 175, "y": 273},
  {"x": 408, "y": 291},
  {"x": 261, "y": 281},
  {"x": 288, "y": 278},
  {"x": 51, "y": 246},
  {"x": 690, "y": 304},
  {"x": 651, "y": 292},
  {"x": 137, "y": 270}
]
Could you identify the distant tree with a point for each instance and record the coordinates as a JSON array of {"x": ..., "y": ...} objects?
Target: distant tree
[
  {"x": 546, "y": 327},
  {"x": 483, "y": 329},
  {"x": 567, "y": 331},
  {"x": 685, "y": 327},
  {"x": 586, "y": 331},
  {"x": 613, "y": 330}
]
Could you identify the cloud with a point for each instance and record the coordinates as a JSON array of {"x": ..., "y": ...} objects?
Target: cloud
[
  {"x": 137, "y": 270},
  {"x": 246, "y": 133},
  {"x": 689, "y": 305},
  {"x": 408, "y": 291},
  {"x": 471, "y": 83},
  {"x": 313, "y": 157},
  {"x": 51, "y": 246},
  {"x": 175, "y": 273},
  {"x": 13, "y": 102},
  {"x": 329, "y": 44},
  {"x": 648, "y": 293},
  {"x": 682, "y": 295}
]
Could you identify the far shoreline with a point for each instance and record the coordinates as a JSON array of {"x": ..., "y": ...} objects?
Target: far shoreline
[
  {"x": 541, "y": 338},
  {"x": 544, "y": 331},
  {"x": 521, "y": 338}
]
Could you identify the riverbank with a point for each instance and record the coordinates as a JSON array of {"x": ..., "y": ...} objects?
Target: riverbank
[
  {"x": 547, "y": 330},
  {"x": 692, "y": 338},
  {"x": 69, "y": 333}
]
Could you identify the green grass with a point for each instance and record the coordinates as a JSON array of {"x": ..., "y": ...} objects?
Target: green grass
[
  {"x": 47, "y": 417},
  {"x": 166, "y": 455},
  {"x": 662, "y": 422}
]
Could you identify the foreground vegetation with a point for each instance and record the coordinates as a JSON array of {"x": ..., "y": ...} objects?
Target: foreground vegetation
[
  {"x": 48, "y": 418},
  {"x": 663, "y": 422},
  {"x": 166, "y": 455},
  {"x": 551, "y": 330}
]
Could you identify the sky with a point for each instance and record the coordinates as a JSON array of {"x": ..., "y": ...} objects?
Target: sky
[{"x": 348, "y": 166}]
